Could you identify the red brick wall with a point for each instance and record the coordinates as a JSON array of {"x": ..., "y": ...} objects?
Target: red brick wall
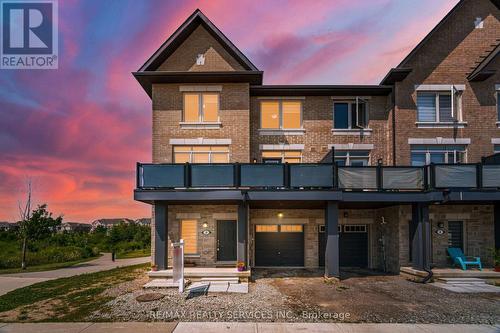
[
  {"x": 234, "y": 116},
  {"x": 448, "y": 57}
]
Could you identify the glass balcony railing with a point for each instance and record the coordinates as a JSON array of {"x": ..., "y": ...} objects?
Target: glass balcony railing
[{"x": 319, "y": 176}]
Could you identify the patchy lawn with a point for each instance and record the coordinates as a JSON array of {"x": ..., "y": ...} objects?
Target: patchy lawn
[{"x": 66, "y": 299}]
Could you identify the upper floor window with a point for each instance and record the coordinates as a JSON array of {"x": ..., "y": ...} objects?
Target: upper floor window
[
  {"x": 498, "y": 105},
  {"x": 496, "y": 149},
  {"x": 438, "y": 107},
  {"x": 281, "y": 114},
  {"x": 423, "y": 155},
  {"x": 201, "y": 107},
  {"x": 350, "y": 115},
  {"x": 352, "y": 157},
  {"x": 282, "y": 156},
  {"x": 201, "y": 154}
]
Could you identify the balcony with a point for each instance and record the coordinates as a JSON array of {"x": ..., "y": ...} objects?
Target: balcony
[{"x": 320, "y": 176}]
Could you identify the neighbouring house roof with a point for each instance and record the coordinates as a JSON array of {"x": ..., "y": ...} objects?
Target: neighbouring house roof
[
  {"x": 480, "y": 73},
  {"x": 144, "y": 221},
  {"x": 183, "y": 32},
  {"x": 106, "y": 222}
]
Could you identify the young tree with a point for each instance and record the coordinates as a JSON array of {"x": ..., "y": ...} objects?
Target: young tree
[
  {"x": 24, "y": 215},
  {"x": 37, "y": 224}
]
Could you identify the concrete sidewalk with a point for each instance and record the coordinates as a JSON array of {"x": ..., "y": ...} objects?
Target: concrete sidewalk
[
  {"x": 9, "y": 282},
  {"x": 186, "y": 327}
]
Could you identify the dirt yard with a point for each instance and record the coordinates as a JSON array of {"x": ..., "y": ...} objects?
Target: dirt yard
[
  {"x": 388, "y": 299},
  {"x": 303, "y": 296}
]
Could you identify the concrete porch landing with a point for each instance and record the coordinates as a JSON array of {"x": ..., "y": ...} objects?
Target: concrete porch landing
[
  {"x": 199, "y": 273},
  {"x": 440, "y": 273}
]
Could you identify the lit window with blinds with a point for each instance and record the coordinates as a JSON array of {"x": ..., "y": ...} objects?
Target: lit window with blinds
[
  {"x": 281, "y": 114},
  {"x": 201, "y": 154},
  {"x": 438, "y": 107},
  {"x": 189, "y": 233},
  {"x": 282, "y": 156}
]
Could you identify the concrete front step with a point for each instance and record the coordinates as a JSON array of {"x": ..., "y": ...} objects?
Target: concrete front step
[
  {"x": 198, "y": 273},
  {"x": 220, "y": 280},
  {"x": 468, "y": 281}
]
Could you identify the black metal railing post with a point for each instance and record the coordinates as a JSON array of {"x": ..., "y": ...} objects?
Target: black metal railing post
[
  {"x": 187, "y": 175},
  {"x": 237, "y": 174},
  {"x": 335, "y": 176},
  {"x": 432, "y": 173},
  {"x": 479, "y": 175},
  {"x": 425, "y": 170},
  {"x": 286, "y": 175},
  {"x": 380, "y": 176},
  {"x": 138, "y": 175}
]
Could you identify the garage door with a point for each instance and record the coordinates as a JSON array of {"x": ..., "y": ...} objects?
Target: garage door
[
  {"x": 353, "y": 246},
  {"x": 279, "y": 245}
]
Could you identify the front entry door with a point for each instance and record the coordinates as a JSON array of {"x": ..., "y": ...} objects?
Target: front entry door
[{"x": 226, "y": 240}]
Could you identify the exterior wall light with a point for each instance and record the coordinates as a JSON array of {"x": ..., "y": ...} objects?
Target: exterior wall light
[
  {"x": 205, "y": 225},
  {"x": 280, "y": 215}
]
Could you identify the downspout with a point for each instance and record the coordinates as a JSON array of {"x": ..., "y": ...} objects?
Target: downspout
[{"x": 394, "y": 162}]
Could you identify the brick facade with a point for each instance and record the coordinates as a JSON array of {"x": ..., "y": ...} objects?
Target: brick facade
[
  {"x": 448, "y": 56},
  {"x": 317, "y": 122},
  {"x": 233, "y": 113}
]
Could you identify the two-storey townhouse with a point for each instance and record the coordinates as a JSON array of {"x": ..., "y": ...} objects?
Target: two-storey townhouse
[{"x": 303, "y": 176}]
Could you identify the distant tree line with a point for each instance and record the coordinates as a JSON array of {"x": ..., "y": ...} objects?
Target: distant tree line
[{"x": 36, "y": 241}]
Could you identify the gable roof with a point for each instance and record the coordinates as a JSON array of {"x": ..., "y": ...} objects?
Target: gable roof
[
  {"x": 183, "y": 32},
  {"x": 388, "y": 79},
  {"x": 479, "y": 73}
]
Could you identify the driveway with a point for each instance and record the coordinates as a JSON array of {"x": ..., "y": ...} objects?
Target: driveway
[{"x": 9, "y": 282}]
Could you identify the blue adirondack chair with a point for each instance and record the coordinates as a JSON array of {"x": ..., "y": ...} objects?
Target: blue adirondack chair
[{"x": 461, "y": 260}]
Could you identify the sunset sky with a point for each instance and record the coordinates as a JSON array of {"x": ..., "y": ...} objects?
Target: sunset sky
[{"x": 78, "y": 131}]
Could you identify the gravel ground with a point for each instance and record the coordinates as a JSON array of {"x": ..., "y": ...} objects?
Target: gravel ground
[{"x": 303, "y": 296}]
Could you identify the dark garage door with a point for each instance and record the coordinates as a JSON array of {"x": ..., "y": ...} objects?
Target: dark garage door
[
  {"x": 279, "y": 245},
  {"x": 353, "y": 246}
]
